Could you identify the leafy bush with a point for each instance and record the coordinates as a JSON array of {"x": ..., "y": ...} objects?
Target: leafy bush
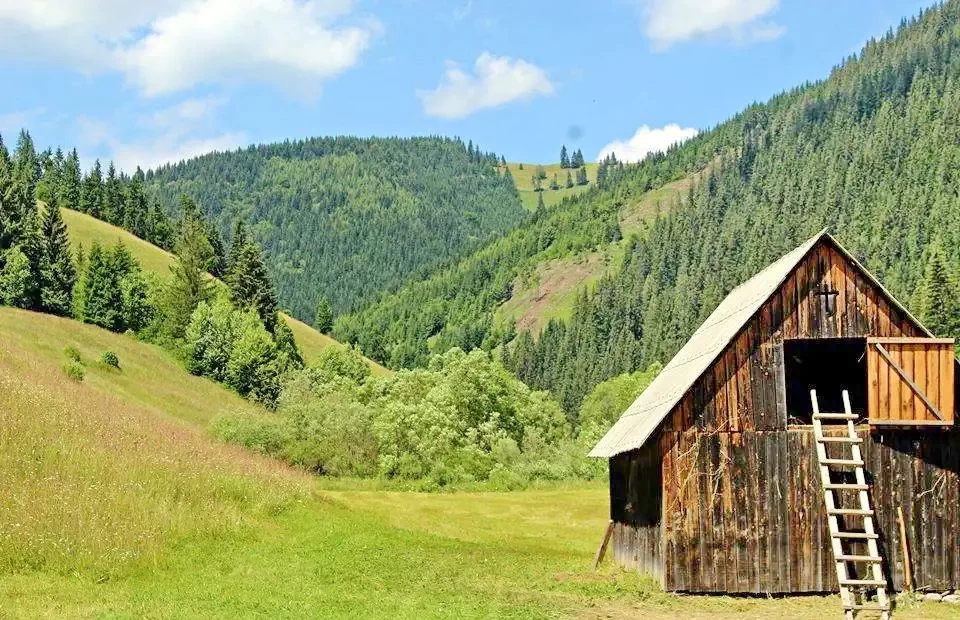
[
  {"x": 463, "y": 421},
  {"x": 109, "y": 358},
  {"x": 72, "y": 353},
  {"x": 74, "y": 370}
]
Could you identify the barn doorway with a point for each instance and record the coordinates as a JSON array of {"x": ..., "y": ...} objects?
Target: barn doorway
[{"x": 828, "y": 365}]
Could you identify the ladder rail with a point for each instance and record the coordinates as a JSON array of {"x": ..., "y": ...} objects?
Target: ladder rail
[{"x": 864, "y": 511}]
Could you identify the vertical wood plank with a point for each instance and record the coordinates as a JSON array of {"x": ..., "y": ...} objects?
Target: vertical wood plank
[
  {"x": 907, "y": 411},
  {"x": 720, "y": 393},
  {"x": 931, "y": 357},
  {"x": 895, "y": 381},
  {"x": 947, "y": 383},
  {"x": 789, "y": 306},
  {"x": 838, "y": 280},
  {"x": 883, "y": 375},
  {"x": 733, "y": 394},
  {"x": 803, "y": 299},
  {"x": 883, "y": 317},
  {"x": 873, "y": 385}
]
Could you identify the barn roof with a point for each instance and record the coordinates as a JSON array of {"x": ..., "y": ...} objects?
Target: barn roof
[{"x": 646, "y": 413}]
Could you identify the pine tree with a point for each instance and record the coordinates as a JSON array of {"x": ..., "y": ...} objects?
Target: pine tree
[
  {"x": 540, "y": 206},
  {"x": 240, "y": 239},
  {"x": 189, "y": 284},
  {"x": 323, "y": 320},
  {"x": 135, "y": 208},
  {"x": 554, "y": 183},
  {"x": 5, "y": 170},
  {"x": 91, "y": 196},
  {"x": 564, "y": 158},
  {"x": 577, "y": 160},
  {"x": 15, "y": 279},
  {"x": 569, "y": 180},
  {"x": 52, "y": 166},
  {"x": 161, "y": 234},
  {"x": 218, "y": 264},
  {"x": 24, "y": 174},
  {"x": 69, "y": 191},
  {"x": 939, "y": 296},
  {"x": 113, "y": 208},
  {"x": 249, "y": 284},
  {"x": 582, "y": 176},
  {"x": 101, "y": 302},
  {"x": 57, "y": 272}
]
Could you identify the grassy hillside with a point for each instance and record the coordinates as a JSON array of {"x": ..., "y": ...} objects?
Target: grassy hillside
[
  {"x": 523, "y": 179},
  {"x": 85, "y": 229},
  {"x": 549, "y": 289},
  {"x": 349, "y": 218}
]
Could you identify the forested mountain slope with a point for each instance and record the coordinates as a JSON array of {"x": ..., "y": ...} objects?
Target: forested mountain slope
[
  {"x": 346, "y": 218},
  {"x": 872, "y": 152}
]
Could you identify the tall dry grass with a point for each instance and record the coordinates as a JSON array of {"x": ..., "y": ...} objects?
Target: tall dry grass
[{"x": 92, "y": 484}]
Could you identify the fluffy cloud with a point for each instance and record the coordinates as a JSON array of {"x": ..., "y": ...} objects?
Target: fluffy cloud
[
  {"x": 172, "y": 134},
  {"x": 166, "y": 46},
  {"x": 498, "y": 80},
  {"x": 647, "y": 140},
  {"x": 674, "y": 21}
]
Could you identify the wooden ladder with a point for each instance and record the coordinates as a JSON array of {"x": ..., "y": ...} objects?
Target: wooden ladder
[{"x": 849, "y": 585}]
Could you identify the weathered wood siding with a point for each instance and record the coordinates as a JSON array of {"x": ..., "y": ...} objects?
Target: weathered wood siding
[
  {"x": 744, "y": 391},
  {"x": 929, "y": 364},
  {"x": 635, "y": 503},
  {"x": 742, "y": 510}
]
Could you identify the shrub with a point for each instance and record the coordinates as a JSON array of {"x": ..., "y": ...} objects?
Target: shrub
[
  {"x": 74, "y": 370},
  {"x": 109, "y": 358},
  {"x": 72, "y": 353}
]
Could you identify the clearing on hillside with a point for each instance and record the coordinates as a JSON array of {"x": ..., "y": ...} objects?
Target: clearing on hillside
[{"x": 523, "y": 179}]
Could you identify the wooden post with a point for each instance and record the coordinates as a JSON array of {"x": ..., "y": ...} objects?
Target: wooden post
[
  {"x": 603, "y": 546},
  {"x": 907, "y": 571}
]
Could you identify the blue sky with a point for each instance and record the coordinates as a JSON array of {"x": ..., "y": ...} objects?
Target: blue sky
[{"x": 144, "y": 83}]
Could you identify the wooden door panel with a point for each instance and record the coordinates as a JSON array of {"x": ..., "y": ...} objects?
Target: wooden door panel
[{"x": 911, "y": 381}]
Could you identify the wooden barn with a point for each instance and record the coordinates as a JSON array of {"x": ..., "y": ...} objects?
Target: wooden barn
[{"x": 715, "y": 477}]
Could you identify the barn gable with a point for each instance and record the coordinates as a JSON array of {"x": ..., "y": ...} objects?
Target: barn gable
[{"x": 726, "y": 325}]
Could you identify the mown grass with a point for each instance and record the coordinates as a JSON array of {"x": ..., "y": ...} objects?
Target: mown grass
[
  {"x": 84, "y": 230},
  {"x": 523, "y": 180}
]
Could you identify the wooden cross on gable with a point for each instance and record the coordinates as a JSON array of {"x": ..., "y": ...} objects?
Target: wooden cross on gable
[{"x": 828, "y": 299}]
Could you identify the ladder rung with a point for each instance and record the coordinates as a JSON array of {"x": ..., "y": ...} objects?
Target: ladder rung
[
  {"x": 858, "y": 558},
  {"x": 840, "y": 439},
  {"x": 874, "y": 606},
  {"x": 843, "y": 486},
  {"x": 863, "y": 582},
  {"x": 847, "y": 462},
  {"x": 850, "y": 511},
  {"x": 855, "y": 535},
  {"x": 835, "y": 416}
]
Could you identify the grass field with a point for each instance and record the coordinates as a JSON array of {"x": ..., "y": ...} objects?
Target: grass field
[
  {"x": 523, "y": 179},
  {"x": 114, "y": 503},
  {"x": 84, "y": 230}
]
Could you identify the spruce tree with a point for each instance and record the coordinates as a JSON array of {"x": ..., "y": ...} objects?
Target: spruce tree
[
  {"x": 189, "y": 284},
  {"x": 135, "y": 208},
  {"x": 250, "y": 285},
  {"x": 91, "y": 195},
  {"x": 5, "y": 170},
  {"x": 564, "y": 158},
  {"x": 240, "y": 239},
  {"x": 939, "y": 296},
  {"x": 69, "y": 191},
  {"x": 101, "y": 302},
  {"x": 569, "y": 180},
  {"x": 57, "y": 272},
  {"x": 23, "y": 179},
  {"x": 113, "y": 207},
  {"x": 323, "y": 320}
]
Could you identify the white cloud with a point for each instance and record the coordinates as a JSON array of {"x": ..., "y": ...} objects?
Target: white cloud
[
  {"x": 647, "y": 140},
  {"x": 173, "y": 134},
  {"x": 674, "y": 21},
  {"x": 166, "y": 46},
  {"x": 498, "y": 80}
]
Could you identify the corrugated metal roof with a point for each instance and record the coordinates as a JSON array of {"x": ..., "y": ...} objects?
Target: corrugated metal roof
[{"x": 646, "y": 413}]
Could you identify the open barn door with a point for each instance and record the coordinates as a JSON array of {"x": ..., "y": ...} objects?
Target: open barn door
[{"x": 910, "y": 381}]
